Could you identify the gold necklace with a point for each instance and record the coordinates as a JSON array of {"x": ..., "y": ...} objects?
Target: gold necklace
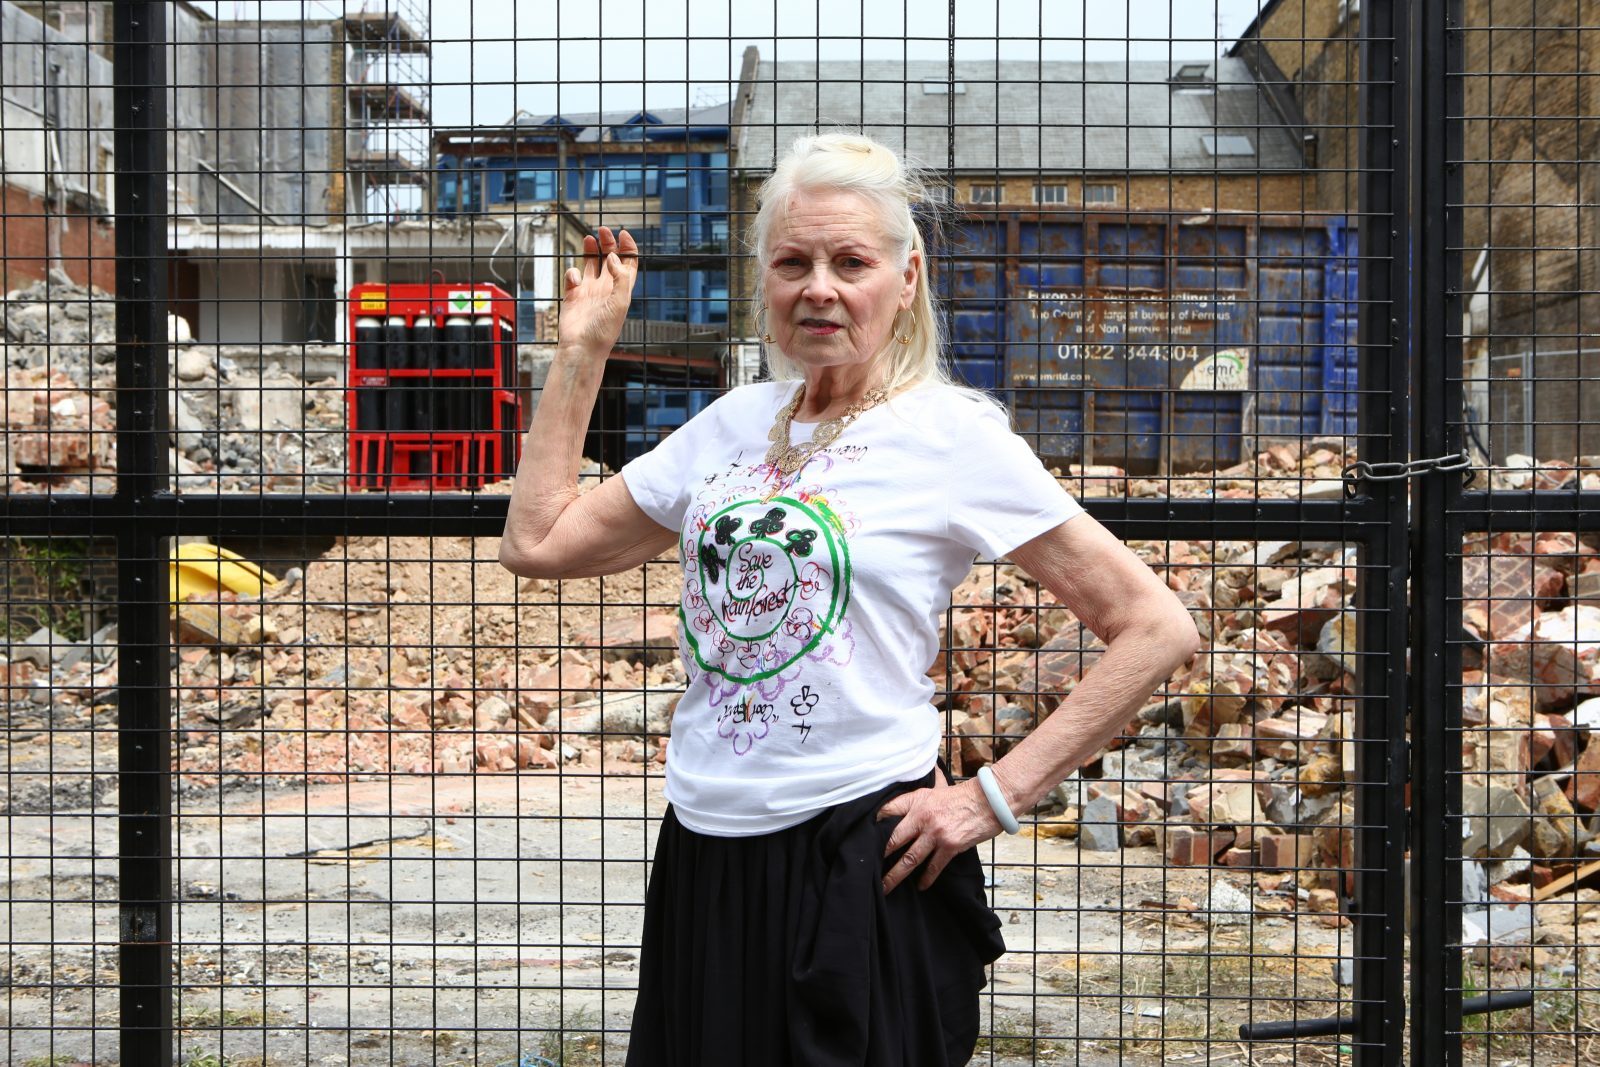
[{"x": 788, "y": 458}]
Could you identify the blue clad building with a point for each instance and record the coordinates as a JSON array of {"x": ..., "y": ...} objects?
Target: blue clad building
[{"x": 661, "y": 173}]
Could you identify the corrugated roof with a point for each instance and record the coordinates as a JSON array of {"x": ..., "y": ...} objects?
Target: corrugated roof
[{"x": 1023, "y": 116}]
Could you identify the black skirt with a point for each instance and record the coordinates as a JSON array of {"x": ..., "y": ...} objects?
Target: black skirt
[{"x": 781, "y": 950}]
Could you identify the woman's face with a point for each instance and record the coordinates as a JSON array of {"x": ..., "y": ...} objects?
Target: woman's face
[{"x": 831, "y": 283}]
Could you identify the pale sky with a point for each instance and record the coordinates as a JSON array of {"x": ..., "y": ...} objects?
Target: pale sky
[{"x": 492, "y": 57}]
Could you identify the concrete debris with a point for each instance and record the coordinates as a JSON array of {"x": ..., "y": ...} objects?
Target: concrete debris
[
  {"x": 1559, "y": 652},
  {"x": 1498, "y": 821},
  {"x": 1498, "y": 924},
  {"x": 42, "y": 648},
  {"x": 233, "y": 429},
  {"x": 1227, "y": 905},
  {"x": 1098, "y": 826}
]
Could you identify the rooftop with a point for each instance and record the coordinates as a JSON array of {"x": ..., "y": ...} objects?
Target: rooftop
[
  {"x": 656, "y": 123},
  {"x": 1026, "y": 116}
]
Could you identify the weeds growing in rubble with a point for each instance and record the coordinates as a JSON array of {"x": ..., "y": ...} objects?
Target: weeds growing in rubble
[
  {"x": 579, "y": 1042},
  {"x": 1563, "y": 1018}
]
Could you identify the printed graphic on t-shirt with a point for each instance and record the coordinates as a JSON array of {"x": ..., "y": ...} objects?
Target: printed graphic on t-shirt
[
  {"x": 773, "y": 577},
  {"x": 766, "y": 590}
]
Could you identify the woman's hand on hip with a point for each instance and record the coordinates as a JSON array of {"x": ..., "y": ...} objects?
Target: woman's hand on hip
[{"x": 937, "y": 824}]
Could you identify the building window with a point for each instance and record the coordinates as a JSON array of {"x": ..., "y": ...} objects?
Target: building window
[
  {"x": 717, "y": 297},
  {"x": 1099, "y": 194},
  {"x": 460, "y": 190},
  {"x": 1052, "y": 193},
  {"x": 632, "y": 182},
  {"x": 987, "y": 194},
  {"x": 532, "y": 185},
  {"x": 105, "y": 176},
  {"x": 1227, "y": 144},
  {"x": 714, "y": 234}
]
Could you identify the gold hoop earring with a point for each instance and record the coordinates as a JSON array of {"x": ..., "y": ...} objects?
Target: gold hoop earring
[
  {"x": 905, "y": 338},
  {"x": 761, "y": 325}
]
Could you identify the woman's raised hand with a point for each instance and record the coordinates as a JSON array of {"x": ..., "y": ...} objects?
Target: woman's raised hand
[{"x": 595, "y": 298}]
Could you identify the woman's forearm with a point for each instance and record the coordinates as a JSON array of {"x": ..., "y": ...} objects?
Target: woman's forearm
[
  {"x": 552, "y": 452},
  {"x": 1098, "y": 708}
]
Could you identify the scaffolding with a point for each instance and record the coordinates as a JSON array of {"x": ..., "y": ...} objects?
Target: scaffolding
[{"x": 387, "y": 63}]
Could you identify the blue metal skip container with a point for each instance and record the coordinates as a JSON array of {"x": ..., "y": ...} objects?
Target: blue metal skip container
[{"x": 1155, "y": 342}]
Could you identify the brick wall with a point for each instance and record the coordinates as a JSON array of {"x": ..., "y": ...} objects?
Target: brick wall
[
  {"x": 1532, "y": 151},
  {"x": 88, "y": 243},
  {"x": 1531, "y": 195},
  {"x": 34, "y": 593},
  {"x": 1264, "y": 193}
]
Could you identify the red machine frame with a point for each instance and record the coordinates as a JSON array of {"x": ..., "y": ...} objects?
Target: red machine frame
[{"x": 391, "y": 460}]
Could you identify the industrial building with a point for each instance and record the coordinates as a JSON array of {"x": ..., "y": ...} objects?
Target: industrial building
[
  {"x": 1130, "y": 251},
  {"x": 56, "y": 159}
]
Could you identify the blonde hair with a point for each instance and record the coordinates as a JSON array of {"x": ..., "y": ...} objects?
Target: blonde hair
[{"x": 852, "y": 163}]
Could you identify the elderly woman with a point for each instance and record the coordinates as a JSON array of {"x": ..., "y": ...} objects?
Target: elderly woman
[{"x": 816, "y": 896}]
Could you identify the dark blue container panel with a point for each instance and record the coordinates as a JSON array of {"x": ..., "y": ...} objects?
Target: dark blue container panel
[
  {"x": 1127, "y": 427},
  {"x": 1047, "y": 412},
  {"x": 1288, "y": 351},
  {"x": 1056, "y": 432},
  {"x": 972, "y": 286},
  {"x": 1050, "y": 261},
  {"x": 1205, "y": 428},
  {"x": 1157, "y": 305},
  {"x": 1340, "y": 312},
  {"x": 1133, "y": 256}
]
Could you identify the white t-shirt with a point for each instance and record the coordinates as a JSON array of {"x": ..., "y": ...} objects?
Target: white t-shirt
[{"x": 808, "y": 622}]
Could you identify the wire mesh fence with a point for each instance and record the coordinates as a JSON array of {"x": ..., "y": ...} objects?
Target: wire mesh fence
[
  {"x": 297, "y": 772},
  {"x": 1517, "y": 623}
]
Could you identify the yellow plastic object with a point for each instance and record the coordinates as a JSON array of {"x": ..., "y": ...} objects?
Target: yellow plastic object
[{"x": 204, "y": 569}]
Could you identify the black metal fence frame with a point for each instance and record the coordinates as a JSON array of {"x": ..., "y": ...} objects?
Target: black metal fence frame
[
  {"x": 1445, "y": 511},
  {"x": 1408, "y": 349}
]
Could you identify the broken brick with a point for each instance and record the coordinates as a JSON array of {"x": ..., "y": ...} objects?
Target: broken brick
[{"x": 1192, "y": 847}]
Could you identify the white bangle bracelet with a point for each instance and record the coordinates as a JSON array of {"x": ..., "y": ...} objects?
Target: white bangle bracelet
[{"x": 991, "y": 789}]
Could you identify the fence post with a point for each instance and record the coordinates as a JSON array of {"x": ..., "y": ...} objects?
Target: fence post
[
  {"x": 144, "y": 741},
  {"x": 1436, "y": 524},
  {"x": 1379, "y": 953}
]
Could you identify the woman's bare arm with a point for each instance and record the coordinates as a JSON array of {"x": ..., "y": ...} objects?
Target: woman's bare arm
[
  {"x": 553, "y": 530},
  {"x": 1148, "y": 635}
]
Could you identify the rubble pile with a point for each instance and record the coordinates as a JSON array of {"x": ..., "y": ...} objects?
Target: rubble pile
[
  {"x": 1524, "y": 472},
  {"x": 1289, "y": 470},
  {"x": 1531, "y": 731},
  {"x": 1240, "y": 761},
  {"x": 419, "y": 656},
  {"x": 59, "y": 354},
  {"x": 1308, "y": 471},
  {"x": 233, "y": 430},
  {"x": 1247, "y": 761}
]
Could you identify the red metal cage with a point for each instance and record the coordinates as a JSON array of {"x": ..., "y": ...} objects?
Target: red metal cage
[{"x": 431, "y": 397}]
